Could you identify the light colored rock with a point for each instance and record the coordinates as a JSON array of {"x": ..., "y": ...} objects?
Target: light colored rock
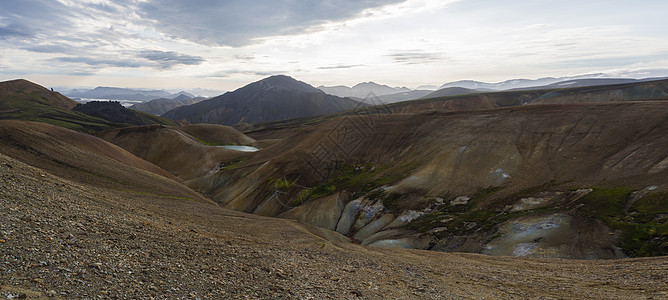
[
  {"x": 323, "y": 212},
  {"x": 373, "y": 227},
  {"x": 368, "y": 213},
  {"x": 461, "y": 200},
  {"x": 408, "y": 242},
  {"x": 348, "y": 216}
]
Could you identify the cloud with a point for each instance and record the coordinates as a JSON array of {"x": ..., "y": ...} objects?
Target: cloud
[
  {"x": 230, "y": 73},
  {"x": 49, "y": 49},
  {"x": 168, "y": 59},
  {"x": 339, "y": 67},
  {"x": 28, "y": 18},
  {"x": 14, "y": 30},
  {"x": 415, "y": 57},
  {"x": 148, "y": 58},
  {"x": 237, "y": 23},
  {"x": 122, "y": 63}
]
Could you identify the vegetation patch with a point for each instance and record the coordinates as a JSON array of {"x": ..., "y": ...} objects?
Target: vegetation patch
[{"x": 644, "y": 228}]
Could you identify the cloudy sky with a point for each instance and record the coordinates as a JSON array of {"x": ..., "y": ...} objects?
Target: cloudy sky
[{"x": 228, "y": 43}]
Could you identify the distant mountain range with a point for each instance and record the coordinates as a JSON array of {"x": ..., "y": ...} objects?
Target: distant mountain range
[
  {"x": 163, "y": 105},
  {"x": 363, "y": 90},
  {"x": 114, "y": 112},
  {"x": 547, "y": 82},
  {"x": 273, "y": 98},
  {"x": 115, "y": 93}
]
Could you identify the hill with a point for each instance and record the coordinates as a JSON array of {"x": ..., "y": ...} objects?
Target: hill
[
  {"x": 24, "y": 100},
  {"x": 73, "y": 238},
  {"x": 114, "y": 112},
  {"x": 163, "y": 105},
  {"x": 187, "y": 152},
  {"x": 273, "y": 98},
  {"x": 86, "y": 159},
  {"x": 21, "y": 93}
]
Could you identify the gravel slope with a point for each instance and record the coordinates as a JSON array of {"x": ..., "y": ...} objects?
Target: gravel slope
[{"x": 72, "y": 240}]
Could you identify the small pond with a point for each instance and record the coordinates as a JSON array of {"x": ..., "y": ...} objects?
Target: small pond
[{"x": 241, "y": 148}]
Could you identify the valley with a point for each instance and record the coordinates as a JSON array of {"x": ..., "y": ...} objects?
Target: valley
[{"x": 549, "y": 192}]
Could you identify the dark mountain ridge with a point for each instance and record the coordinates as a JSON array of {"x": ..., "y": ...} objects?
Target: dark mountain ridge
[{"x": 273, "y": 98}]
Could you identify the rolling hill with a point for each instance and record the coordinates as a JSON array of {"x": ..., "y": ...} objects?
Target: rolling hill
[{"x": 273, "y": 98}]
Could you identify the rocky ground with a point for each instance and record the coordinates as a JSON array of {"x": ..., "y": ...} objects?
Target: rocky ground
[{"x": 65, "y": 239}]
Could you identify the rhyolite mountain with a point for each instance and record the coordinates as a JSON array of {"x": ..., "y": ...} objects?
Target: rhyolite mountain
[{"x": 273, "y": 98}]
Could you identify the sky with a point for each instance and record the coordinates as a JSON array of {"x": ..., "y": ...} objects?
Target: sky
[{"x": 226, "y": 44}]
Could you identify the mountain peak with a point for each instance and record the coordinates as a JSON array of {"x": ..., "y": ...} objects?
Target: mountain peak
[{"x": 284, "y": 82}]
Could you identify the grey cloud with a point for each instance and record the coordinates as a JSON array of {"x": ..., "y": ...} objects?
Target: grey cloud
[
  {"x": 14, "y": 31},
  {"x": 123, "y": 63},
  {"x": 229, "y": 73},
  {"x": 415, "y": 57},
  {"x": 27, "y": 18},
  {"x": 339, "y": 67},
  {"x": 49, "y": 49},
  {"x": 149, "y": 58},
  {"x": 237, "y": 23},
  {"x": 168, "y": 59}
]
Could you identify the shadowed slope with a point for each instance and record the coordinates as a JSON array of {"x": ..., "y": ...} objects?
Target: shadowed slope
[
  {"x": 84, "y": 158},
  {"x": 177, "y": 151}
]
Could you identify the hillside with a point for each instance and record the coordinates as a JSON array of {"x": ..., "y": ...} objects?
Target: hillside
[
  {"x": 86, "y": 159},
  {"x": 163, "y": 105},
  {"x": 31, "y": 94},
  {"x": 187, "y": 152},
  {"x": 273, "y": 98},
  {"x": 71, "y": 237},
  {"x": 24, "y": 100}
]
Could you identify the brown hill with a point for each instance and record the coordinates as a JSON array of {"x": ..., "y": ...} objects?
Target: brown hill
[
  {"x": 83, "y": 158},
  {"x": 22, "y": 88},
  {"x": 181, "y": 150},
  {"x": 217, "y": 134},
  {"x": 26, "y": 101}
]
